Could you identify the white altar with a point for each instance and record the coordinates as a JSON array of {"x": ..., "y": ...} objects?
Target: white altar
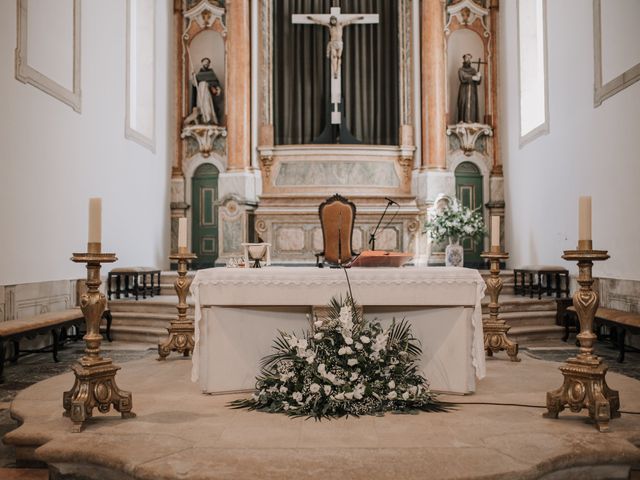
[{"x": 239, "y": 312}]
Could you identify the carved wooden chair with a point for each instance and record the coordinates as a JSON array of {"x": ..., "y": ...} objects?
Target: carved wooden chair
[{"x": 337, "y": 218}]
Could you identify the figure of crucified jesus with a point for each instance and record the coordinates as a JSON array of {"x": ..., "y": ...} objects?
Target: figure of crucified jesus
[{"x": 335, "y": 45}]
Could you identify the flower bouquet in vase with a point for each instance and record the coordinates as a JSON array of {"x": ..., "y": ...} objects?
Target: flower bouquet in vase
[{"x": 453, "y": 223}]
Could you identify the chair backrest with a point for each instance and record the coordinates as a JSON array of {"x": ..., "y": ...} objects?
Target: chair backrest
[{"x": 337, "y": 217}]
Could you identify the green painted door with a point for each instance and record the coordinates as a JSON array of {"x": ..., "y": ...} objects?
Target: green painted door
[
  {"x": 204, "y": 219},
  {"x": 469, "y": 193}
]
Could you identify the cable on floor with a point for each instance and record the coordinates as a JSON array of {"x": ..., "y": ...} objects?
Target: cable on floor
[{"x": 524, "y": 405}]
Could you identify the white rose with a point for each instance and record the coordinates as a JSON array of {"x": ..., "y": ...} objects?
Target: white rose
[
  {"x": 365, "y": 339},
  {"x": 348, "y": 340},
  {"x": 391, "y": 384},
  {"x": 392, "y": 395},
  {"x": 354, "y": 376},
  {"x": 283, "y": 389},
  {"x": 318, "y": 323},
  {"x": 357, "y": 395},
  {"x": 413, "y": 389},
  {"x": 292, "y": 341},
  {"x": 297, "y": 396},
  {"x": 348, "y": 395},
  {"x": 322, "y": 369},
  {"x": 285, "y": 405},
  {"x": 302, "y": 344},
  {"x": 311, "y": 358},
  {"x": 318, "y": 336},
  {"x": 352, "y": 361},
  {"x": 405, "y": 396},
  {"x": 327, "y": 389},
  {"x": 359, "y": 346},
  {"x": 342, "y": 350},
  {"x": 339, "y": 396},
  {"x": 314, "y": 388}
]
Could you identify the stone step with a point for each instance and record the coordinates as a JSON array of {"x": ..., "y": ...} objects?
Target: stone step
[
  {"x": 514, "y": 305},
  {"x": 137, "y": 334},
  {"x": 163, "y": 305},
  {"x": 151, "y": 320},
  {"x": 531, "y": 335},
  {"x": 526, "y": 319}
]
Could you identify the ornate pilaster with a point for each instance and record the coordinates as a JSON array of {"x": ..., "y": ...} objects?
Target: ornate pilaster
[
  {"x": 238, "y": 85},
  {"x": 433, "y": 86},
  {"x": 584, "y": 383}
]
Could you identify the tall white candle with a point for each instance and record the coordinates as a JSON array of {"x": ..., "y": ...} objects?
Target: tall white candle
[
  {"x": 182, "y": 232},
  {"x": 495, "y": 231},
  {"x": 584, "y": 218},
  {"x": 95, "y": 220}
]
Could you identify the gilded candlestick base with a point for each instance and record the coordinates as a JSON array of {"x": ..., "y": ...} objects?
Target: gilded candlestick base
[
  {"x": 495, "y": 329},
  {"x": 585, "y": 386},
  {"x": 95, "y": 384},
  {"x": 181, "y": 332},
  {"x": 584, "y": 383}
]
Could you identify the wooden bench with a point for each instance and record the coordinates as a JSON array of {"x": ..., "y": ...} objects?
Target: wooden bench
[
  {"x": 618, "y": 321},
  {"x": 133, "y": 280},
  {"x": 539, "y": 279},
  {"x": 56, "y": 323}
]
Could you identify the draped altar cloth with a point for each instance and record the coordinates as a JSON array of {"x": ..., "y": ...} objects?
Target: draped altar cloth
[{"x": 238, "y": 313}]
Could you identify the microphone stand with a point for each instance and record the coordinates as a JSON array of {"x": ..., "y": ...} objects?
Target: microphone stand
[{"x": 372, "y": 237}]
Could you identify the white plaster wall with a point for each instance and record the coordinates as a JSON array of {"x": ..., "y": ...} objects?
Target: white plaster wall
[
  {"x": 589, "y": 151},
  {"x": 53, "y": 159}
]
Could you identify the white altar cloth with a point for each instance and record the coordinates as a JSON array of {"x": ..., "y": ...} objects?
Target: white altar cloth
[{"x": 238, "y": 313}]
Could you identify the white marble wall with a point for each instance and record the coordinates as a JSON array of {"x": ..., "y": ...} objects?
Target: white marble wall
[{"x": 29, "y": 299}]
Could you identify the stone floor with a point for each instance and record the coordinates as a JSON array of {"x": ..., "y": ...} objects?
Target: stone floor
[{"x": 184, "y": 434}]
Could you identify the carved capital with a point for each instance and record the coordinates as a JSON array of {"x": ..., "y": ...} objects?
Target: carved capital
[{"x": 468, "y": 134}]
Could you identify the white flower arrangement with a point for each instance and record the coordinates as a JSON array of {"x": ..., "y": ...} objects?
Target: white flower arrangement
[
  {"x": 345, "y": 365},
  {"x": 455, "y": 221}
]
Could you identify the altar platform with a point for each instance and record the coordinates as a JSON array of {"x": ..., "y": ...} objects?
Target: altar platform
[{"x": 179, "y": 433}]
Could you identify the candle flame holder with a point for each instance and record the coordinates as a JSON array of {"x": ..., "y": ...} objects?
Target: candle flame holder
[
  {"x": 181, "y": 332},
  {"x": 95, "y": 384},
  {"x": 584, "y": 383},
  {"x": 495, "y": 329}
]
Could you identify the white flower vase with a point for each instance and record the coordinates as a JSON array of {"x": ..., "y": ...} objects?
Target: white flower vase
[{"x": 454, "y": 253}]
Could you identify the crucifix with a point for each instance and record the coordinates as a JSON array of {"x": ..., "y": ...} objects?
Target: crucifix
[{"x": 336, "y": 22}]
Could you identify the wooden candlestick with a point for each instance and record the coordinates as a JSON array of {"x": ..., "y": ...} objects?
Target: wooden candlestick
[
  {"x": 584, "y": 383},
  {"x": 95, "y": 384},
  {"x": 181, "y": 332},
  {"x": 495, "y": 329}
]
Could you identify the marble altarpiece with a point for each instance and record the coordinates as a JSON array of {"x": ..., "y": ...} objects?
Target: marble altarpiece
[{"x": 272, "y": 192}]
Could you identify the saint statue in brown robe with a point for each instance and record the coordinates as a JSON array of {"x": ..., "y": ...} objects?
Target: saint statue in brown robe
[{"x": 470, "y": 78}]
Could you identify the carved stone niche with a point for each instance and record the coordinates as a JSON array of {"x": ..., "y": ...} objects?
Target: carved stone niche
[
  {"x": 204, "y": 74},
  {"x": 468, "y": 31}
]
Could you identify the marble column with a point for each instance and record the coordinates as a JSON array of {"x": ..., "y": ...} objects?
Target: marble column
[
  {"x": 433, "y": 86},
  {"x": 238, "y": 85}
]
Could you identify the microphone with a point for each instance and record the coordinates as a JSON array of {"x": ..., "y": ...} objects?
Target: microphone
[{"x": 393, "y": 202}]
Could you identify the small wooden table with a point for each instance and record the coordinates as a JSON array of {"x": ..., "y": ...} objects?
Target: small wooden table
[
  {"x": 133, "y": 280},
  {"x": 529, "y": 280}
]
